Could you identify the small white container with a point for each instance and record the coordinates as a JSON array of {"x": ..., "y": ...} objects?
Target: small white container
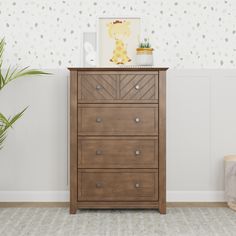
[{"x": 144, "y": 56}]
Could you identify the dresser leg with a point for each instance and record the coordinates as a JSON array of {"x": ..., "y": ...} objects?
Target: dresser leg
[
  {"x": 73, "y": 209},
  {"x": 162, "y": 209}
]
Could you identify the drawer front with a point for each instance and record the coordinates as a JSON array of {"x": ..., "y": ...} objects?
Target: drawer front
[
  {"x": 139, "y": 87},
  {"x": 118, "y": 153},
  {"x": 117, "y": 186},
  {"x": 118, "y": 120},
  {"x": 112, "y": 87},
  {"x": 97, "y": 87}
]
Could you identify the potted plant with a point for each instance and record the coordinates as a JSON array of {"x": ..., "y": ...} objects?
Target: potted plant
[
  {"x": 144, "y": 54},
  {"x": 5, "y": 78}
]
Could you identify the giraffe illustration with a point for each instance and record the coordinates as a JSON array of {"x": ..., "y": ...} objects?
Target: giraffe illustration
[{"x": 119, "y": 30}]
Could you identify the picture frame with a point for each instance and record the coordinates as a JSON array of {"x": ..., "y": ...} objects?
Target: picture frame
[
  {"x": 89, "y": 49},
  {"x": 117, "y": 40}
]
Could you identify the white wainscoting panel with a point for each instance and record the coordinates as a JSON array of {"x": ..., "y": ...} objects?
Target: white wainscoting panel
[
  {"x": 223, "y": 123},
  {"x": 201, "y": 117},
  {"x": 188, "y": 131}
]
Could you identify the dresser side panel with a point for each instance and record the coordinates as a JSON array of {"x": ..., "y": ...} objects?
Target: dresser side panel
[
  {"x": 162, "y": 142},
  {"x": 73, "y": 141}
]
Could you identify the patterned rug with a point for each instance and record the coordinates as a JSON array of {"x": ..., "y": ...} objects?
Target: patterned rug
[{"x": 177, "y": 221}]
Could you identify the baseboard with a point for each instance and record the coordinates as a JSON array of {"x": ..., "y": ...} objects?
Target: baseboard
[
  {"x": 38, "y": 204},
  {"x": 66, "y": 204},
  {"x": 63, "y": 196},
  {"x": 195, "y": 196},
  {"x": 34, "y": 196},
  {"x": 194, "y": 204}
]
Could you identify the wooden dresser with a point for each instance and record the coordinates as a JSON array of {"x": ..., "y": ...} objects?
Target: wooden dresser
[{"x": 117, "y": 138}]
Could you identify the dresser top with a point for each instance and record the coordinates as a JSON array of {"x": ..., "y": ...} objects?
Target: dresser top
[{"x": 117, "y": 68}]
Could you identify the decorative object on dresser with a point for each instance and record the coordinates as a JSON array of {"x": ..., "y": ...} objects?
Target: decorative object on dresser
[
  {"x": 89, "y": 49},
  {"x": 117, "y": 40},
  {"x": 144, "y": 54},
  {"x": 117, "y": 138}
]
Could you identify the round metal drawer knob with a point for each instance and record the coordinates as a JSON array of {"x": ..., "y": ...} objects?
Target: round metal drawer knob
[
  {"x": 137, "y": 119},
  {"x": 98, "y": 185},
  {"x": 98, "y": 152},
  {"x": 98, "y": 119},
  {"x": 137, "y": 185},
  {"x": 137, "y": 152},
  {"x": 98, "y": 87},
  {"x": 137, "y": 87}
]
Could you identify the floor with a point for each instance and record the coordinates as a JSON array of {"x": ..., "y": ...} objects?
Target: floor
[{"x": 57, "y": 221}]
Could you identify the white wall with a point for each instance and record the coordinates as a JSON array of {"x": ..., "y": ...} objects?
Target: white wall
[
  {"x": 201, "y": 129},
  {"x": 196, "y": 39},
  {"x": 34, "y": 157}
]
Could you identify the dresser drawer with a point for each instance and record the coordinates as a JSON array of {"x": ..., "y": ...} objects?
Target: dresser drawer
[
  {"x": 139, "y": 87},
  {"x": 118, "y": 119},
  {"x": 97, "y": 87},
  {"x": 115, "y": 186},
  {"x": 111, "y": 87},
  {"x": 117, "y": 153}
]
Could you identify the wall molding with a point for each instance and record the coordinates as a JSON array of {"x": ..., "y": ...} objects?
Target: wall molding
[
  {"x": 195, "y": 196},
  {"x": 34, "y": 196},
  {"x": 63, "y": 196}
]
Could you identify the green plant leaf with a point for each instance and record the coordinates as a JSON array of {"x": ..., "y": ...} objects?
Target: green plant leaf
[
  {"x": 16, "y": 117},
  {"x": 16, "y": 73},
  {"x": 6, "y": 123},
  {"x": 10, "y": 75},
  {"x": 2, "y": 44},
  {"x": 3, "y": 120},
  {"x": 2, "y": 138}
]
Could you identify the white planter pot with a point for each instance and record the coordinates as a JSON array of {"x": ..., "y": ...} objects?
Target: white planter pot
[
  {"x": 144, "y": 60},
  {"x": 144, "y": 57}
]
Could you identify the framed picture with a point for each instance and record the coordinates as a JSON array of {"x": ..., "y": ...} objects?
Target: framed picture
[
  {"x": 118, "y": 39},
  {"x": 89, "y": 49}
]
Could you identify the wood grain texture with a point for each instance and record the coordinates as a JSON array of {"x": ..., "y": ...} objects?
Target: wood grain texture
[
  {"x": 111, "y": 185},
  {"x": 119, "y": 69},
  {"x": 162, "y": 142},
  {"x": 98, "y": 87},
  {"x": 118, "y": 153},
  {"x": 108, "y": 87},
  {"x": 118, "y": 205},
  {"x": 73, "y": 142},
  {"x": 116, "y": 119},
  {"x": 138, "y": 87}
]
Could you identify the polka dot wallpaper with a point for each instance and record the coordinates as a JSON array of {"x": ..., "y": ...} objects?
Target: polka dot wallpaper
[{"x": 184, "y": 34}]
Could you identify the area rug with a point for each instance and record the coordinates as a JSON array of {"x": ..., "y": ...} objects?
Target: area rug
[{"x": 58, "y": 221}]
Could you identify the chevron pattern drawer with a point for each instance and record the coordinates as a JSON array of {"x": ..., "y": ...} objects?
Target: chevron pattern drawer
[
  {"x": 117, "y": 138},
  {"x": 108, "y": 87},
  {"x": 96, "y": 87},
  {"x": 139, "y": 87}
]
